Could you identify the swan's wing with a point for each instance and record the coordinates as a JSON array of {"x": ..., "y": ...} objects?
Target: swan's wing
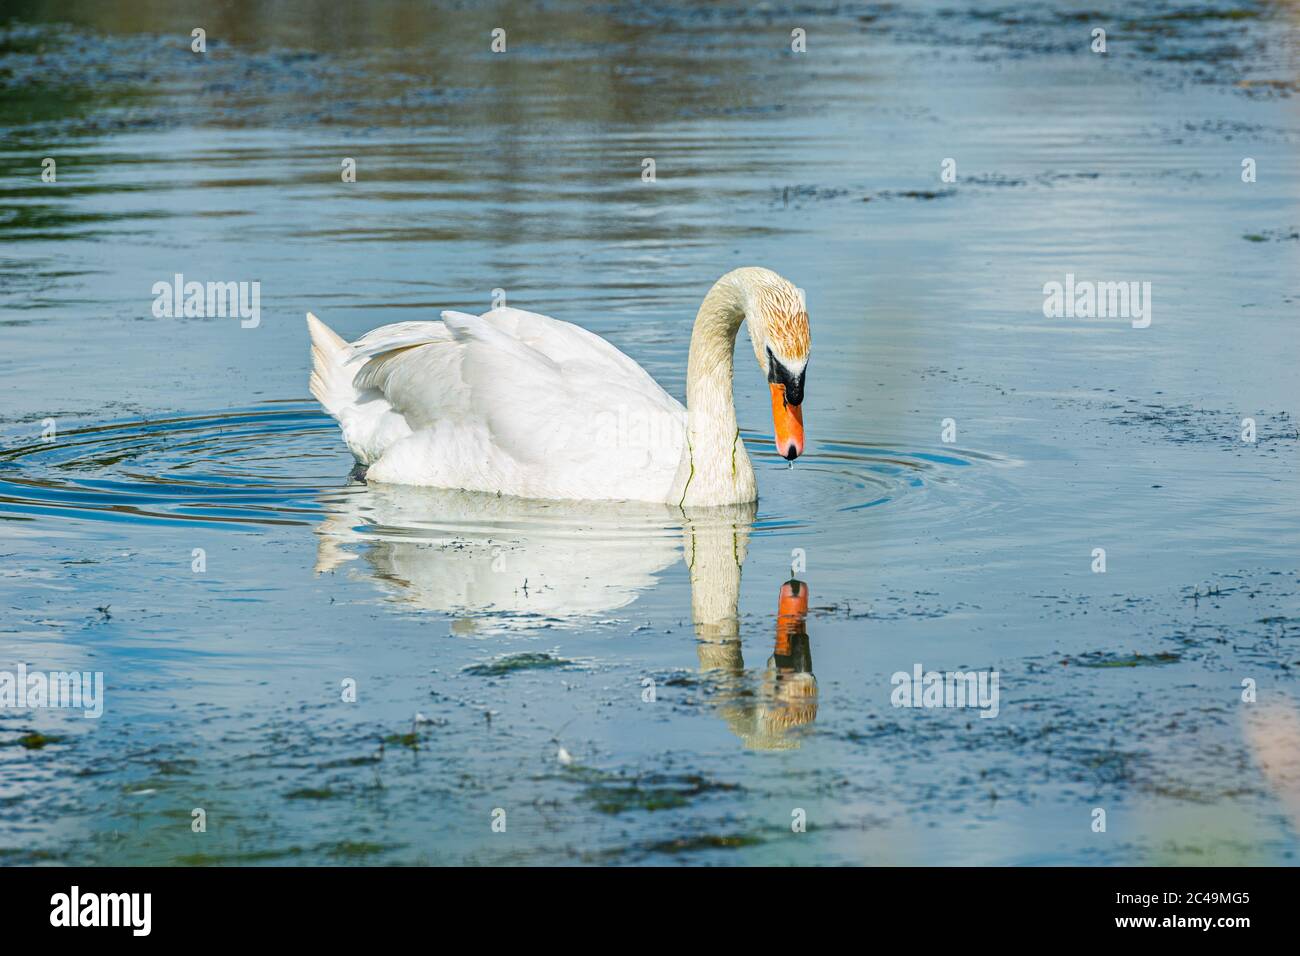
[
  {"x": 547, "y": 388},
  {"x": 522, "y": 403},
  {"x": 557, "y": 340},
  {"x": 565, "y": 342},
  {"x": 414, "y": 367},
  {"x": 388, "y": 338}
]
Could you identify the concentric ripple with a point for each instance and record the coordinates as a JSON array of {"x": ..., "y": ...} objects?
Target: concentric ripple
[
  {"x": 254, "y": 466},
  {"x": 282, "y": 463}
]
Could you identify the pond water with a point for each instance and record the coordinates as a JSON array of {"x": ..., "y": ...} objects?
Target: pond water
[{"x": 334, "y": 672}]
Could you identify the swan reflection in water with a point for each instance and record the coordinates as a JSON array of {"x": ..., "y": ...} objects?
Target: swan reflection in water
[
  {"x": 501, "y": 564},
  {"x": 785, "y": 694}
]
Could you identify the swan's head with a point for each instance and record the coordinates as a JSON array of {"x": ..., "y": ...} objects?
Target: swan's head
[{"x": 778, "y": 327}]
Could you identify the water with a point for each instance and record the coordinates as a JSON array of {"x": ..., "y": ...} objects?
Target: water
[{"x": 522, "y": 633}]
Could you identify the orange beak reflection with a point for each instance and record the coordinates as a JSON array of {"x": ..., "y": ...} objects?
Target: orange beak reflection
[
  {"x": 788, "y": 420},
  {"x": 791, "y": 614}
]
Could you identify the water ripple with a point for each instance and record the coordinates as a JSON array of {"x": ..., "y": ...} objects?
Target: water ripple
[{"x": 282, "y": 464}]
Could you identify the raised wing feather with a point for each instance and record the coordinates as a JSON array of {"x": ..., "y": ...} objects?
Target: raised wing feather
[{"x": 388, "y": 338}]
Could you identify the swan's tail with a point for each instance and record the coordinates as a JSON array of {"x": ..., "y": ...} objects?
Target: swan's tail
[{"x": 331, "y": 383}]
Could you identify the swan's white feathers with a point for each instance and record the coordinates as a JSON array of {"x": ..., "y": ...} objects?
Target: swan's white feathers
[
  {"x": 510, "y": 401},
  {"x": 331, "y": 386},
  {"x": 399, "y": 335}
]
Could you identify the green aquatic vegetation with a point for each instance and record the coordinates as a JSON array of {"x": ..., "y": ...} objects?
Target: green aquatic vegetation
[
  {"x": 680, "y": 679},
  {"x": 510, "y": 663},
  {"x": 1198, "y": 15},
  {"x": 176, "y": 768},
  {"x": 700, "y": 842},
  {"x": 35, "y": 741},
  {"x": 1272, "y": 235},
  {"x": 22, "y": 856},
  {"x": 411, "y": 740},
  {"x": 616, "y": 793},
  {"x": 925, "y": 193},
  {"x": 352, "y": 849},
  {"x": 706, "y": 841},
  {"x": 312, "y": 793},
  {"x": 615, "y": 800},
  {"x": 1099, "y": 659},
  {"x": 351, "y": 762},
  {"x": 224, "y": 859}
]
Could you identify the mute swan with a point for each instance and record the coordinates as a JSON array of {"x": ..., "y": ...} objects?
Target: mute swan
[{"x": 521, "y": 404}]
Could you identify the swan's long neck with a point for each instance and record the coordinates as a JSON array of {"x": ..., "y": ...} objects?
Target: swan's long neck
[{"x": 720, "y": 472}]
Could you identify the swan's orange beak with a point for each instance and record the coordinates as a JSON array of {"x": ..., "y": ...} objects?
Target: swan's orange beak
[{"x": 788, "y": 420}]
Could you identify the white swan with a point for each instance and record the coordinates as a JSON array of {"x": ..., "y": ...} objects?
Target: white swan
[{"x": 521, "y": 404}]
